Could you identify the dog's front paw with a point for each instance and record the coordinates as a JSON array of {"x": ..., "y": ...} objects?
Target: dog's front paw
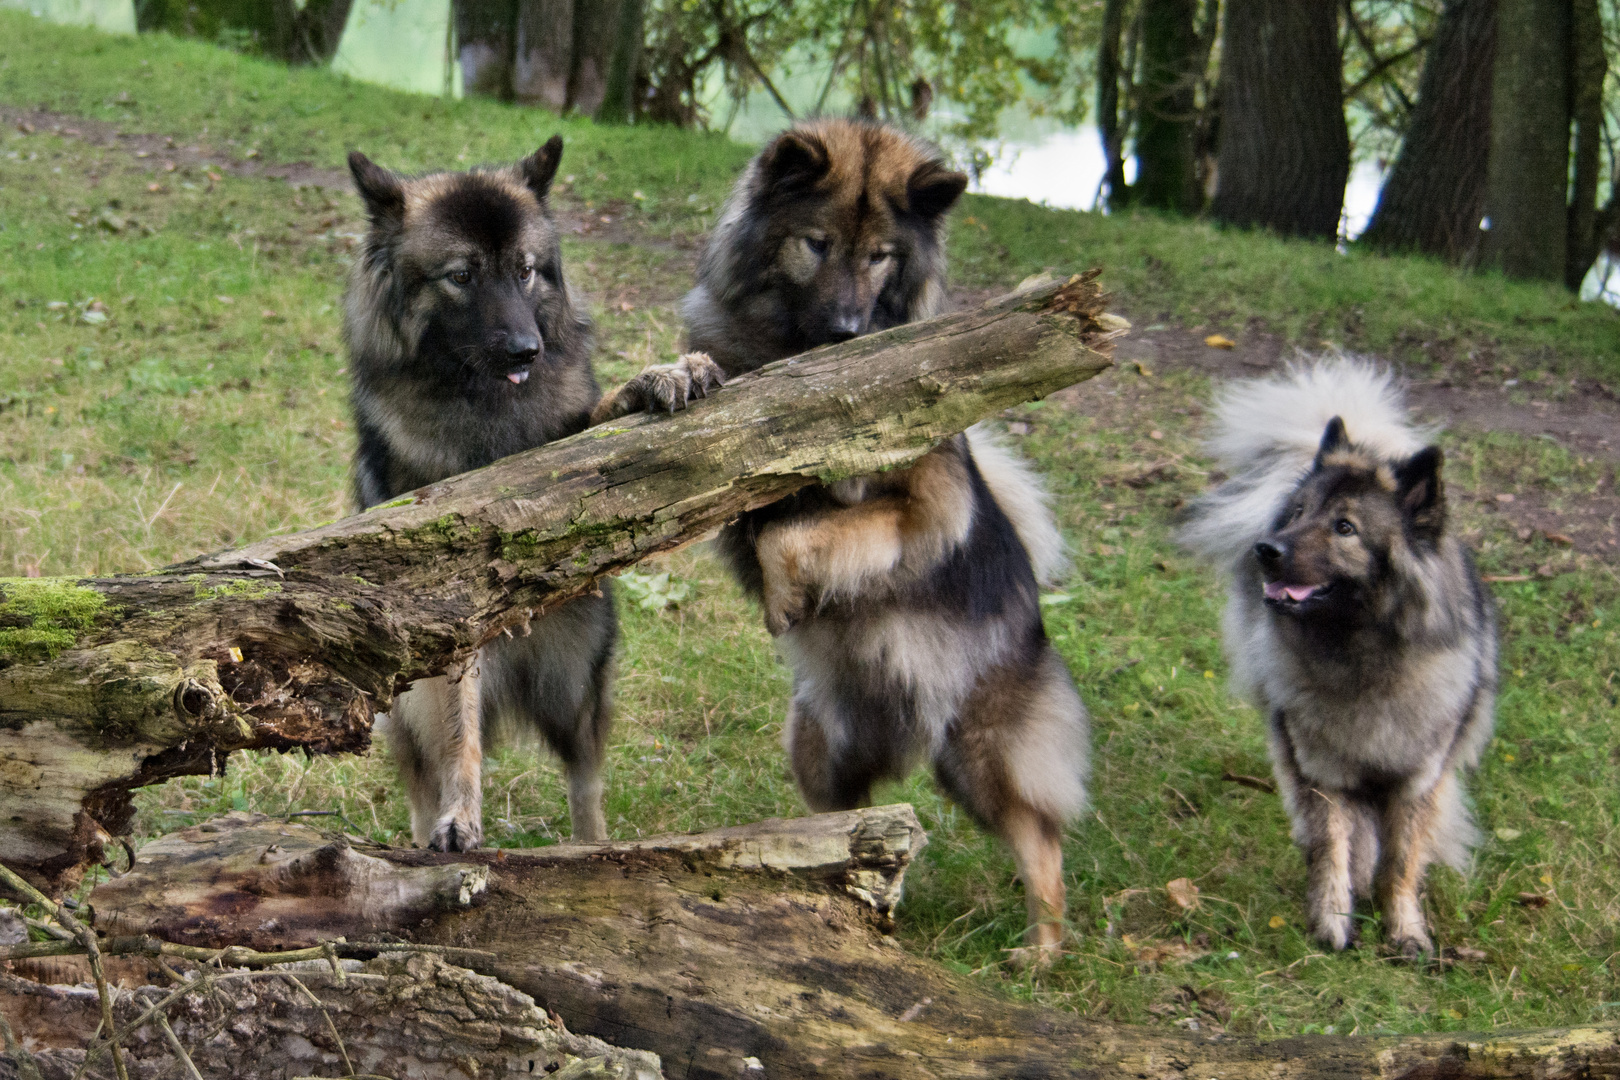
[
  {"x": 670, "y": 387},
  {"x": 703, "y": 374},
  {"x": 457, "y": 831},
  {"x": 1335, "y": 930},
  {"x": 1410, "y": 943}
]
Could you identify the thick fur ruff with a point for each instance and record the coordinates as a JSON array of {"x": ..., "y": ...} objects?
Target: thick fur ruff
[
  {"x": 1358, "y": 625},
  {"x": 465, "y": 346}
]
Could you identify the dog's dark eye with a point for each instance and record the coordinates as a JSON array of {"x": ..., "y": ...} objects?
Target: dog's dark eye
[
  {"x": 817, "y": 244},
  {"x": 879, "y": 257},
  {"x": 525, "y": 274},
  {"x": 461, "y": 277},
  {"x": 1344, "y": 527}
]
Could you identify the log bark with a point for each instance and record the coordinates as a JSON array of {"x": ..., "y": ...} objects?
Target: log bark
[
  {"x": 761, "y": 950},
  {"x": 108, "y": 684}
]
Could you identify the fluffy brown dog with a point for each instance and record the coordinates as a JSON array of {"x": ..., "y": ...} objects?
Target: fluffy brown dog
[{"x": 906, "y": 603}]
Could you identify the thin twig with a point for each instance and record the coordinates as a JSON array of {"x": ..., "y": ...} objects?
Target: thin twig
[
  {"x": 319, "y": 1004},
  {"x": 87, "y": 936},
  {"x": 179, "y": 1051}
]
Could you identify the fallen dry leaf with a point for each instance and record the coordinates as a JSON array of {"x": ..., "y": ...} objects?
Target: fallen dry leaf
[
  {"x": 1559, "y": 538},
  {"x": 1220, "y": 341},
  {"x": 1533, "y": 901},
  {"x": 1184, "y": 893}
]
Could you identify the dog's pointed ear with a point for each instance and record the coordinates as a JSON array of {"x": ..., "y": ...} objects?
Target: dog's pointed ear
[
  {"x": 793, "y": 161},
  {"x": 1334, "y": 438},
  {"x": 1420, "y": 493},
  {"x": 933, "y": 189},
  {"x": 382, "y": 191},
  {"x": 540, "y": 168}
]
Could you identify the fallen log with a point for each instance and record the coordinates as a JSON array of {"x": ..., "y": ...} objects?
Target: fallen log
[
  {"x": 755, "y": 951},
  {"x": 108, "y": 684}
]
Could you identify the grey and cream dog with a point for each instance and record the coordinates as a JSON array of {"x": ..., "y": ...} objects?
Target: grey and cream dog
[
  {"x": 467, "y": 345},
  {"x": 1359, "y": 626},
  {"x": 906, "y": 603}
]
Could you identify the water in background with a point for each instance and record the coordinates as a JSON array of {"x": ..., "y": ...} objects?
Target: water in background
[
  {"x": 400, "y": 43},
  {"x": 113, "y": 16},
  {"x": 405, "y": 44}
]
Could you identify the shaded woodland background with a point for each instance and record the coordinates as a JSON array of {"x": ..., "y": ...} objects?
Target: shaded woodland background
[{"x": 1498, "y": 117}]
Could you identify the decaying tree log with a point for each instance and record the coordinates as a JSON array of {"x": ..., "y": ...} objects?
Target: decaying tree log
[
  {"x": 395, "y": 1016},
  {"x": 109, "y": 684},
  {"x": 755, "y": 951}
]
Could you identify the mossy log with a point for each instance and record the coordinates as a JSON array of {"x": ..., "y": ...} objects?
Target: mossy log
[
  {"x": 761, "y": 950},
  {"x": 107, "y": 684}
]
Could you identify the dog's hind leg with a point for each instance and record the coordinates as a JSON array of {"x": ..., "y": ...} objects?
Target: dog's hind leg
[
  {"x": 583, "y": 764},
  {"x": 441, "y": 758},
  {"x": 1016, "y": 758},
  {"x": 1410, "y": 822}
]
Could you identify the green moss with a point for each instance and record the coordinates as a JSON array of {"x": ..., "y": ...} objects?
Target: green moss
[
  {"x": 39, "y": 617},
  {"x": 253, "y": 590},
  {"x": 520, "y": 546},
  {"x": 407, "y": 500}
]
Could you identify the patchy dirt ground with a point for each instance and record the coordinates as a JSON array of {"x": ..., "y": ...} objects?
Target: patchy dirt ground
[{"x": 1583, "y": 416}]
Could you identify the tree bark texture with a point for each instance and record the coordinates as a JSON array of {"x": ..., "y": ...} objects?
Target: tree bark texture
[
  {"x": 1588, "y": 68},
  {"x": 1167, "y": 117},
  {"x": 545, "y": 53},
  {"x": 293, "y": 33},
  {"x": 112, "y": 683},
  {"x": 1435, "y": 195},
  {"x": 1111, "y": 127},
  {"x": 1284, "y": 148},
  {"x": 1528, "y": 177},
  {"x": 485, "y": 45},
  {"x": 618, "y": 94},
  {"x": 596, "y": 32},
  {"x": 759, "y": 950}
]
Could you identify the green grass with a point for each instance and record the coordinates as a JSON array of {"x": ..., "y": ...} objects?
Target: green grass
[{"x": 174, "y": 385}]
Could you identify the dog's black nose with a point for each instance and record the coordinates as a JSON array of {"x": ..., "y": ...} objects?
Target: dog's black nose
[
  {"x": 844, "y": 327},
  {"x": 522, "y": 347},
  {"x": 1268, "y": 552}
]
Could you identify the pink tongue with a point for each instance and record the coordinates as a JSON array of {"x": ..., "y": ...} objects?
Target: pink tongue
[
  {"x": 518, "y": 377},
  {"x": 1276, "y": 590}
]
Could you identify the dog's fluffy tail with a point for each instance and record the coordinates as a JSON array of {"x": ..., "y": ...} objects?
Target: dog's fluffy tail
[
  {"x": 1025, "y": 501},
  {"x": 1266, "y": 435}
]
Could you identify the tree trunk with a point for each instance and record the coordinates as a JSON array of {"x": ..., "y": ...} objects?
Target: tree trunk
[
  {"x": 1111, "y": 127},
  {"x": 1435, "y": 195},
  {"x": 1284, "y": 147},
  {"x": 1167, "y": 117},
  {"x": 1528, "y": 178},
  {"x": 596, "y": 32},
  {"x": 283, "y": 29},
  {"x": 486, "y": 42},
  {"x": 1588, "y": 67},
  {"x": 545, "y": 52},
  {"x": 618, "y": 100},
  {"x": 109, "y": 684},
  {"x": 758, "y": 950}
]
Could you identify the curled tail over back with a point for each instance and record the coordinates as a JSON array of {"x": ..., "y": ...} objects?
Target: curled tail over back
[{"x": 1266, "y": 436}]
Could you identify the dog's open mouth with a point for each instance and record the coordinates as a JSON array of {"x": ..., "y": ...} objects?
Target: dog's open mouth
[
  {"x": 1287, "y": 595},
  {"x": 518, "y": 376}
]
